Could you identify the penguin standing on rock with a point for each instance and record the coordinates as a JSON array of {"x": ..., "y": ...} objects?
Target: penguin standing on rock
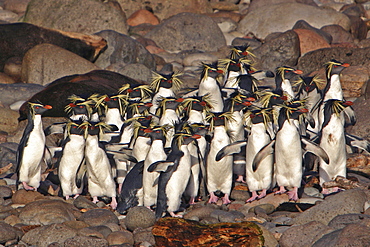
[{"x": 31, "y": 148}]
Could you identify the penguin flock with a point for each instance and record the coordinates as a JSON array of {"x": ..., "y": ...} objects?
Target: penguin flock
[{"x": 150, "y": 145}]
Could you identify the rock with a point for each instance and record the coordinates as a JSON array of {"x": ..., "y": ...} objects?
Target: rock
[
  {"x": 16, "y": 39},
  {"x": 86, "y": 16},
  {"x": 144, "y": 236},
  {"x": 82, "y": 241},
  {"x": 88, "y": 232},
  {"x": 16, "y": 92},
  {"x": 5, "y": 191},
  {"x": 268, "y": 208},
  {"x": 13, "y": 68},
  {"x": 362, "y": 126},
  {"x": 136, "y": 71},
  {"x": 285, "y": 49},
  {"x": 346, "y": 202},
  {"x": 47, "y": 212},
  {"x": 5, "y": 79},
  {"x": 270, "y": 240},
  {"x": 338, "y": 34},
  {"x": 76, "y": 224},
  {"x": 16, "y": 6},
  {"x": 235, "y": 16},
  {"x": 240, "y": 195},
  {"x": 40, "y": 66},
  {"x": 99, "y": 216},
  {"x": 24, "y": 196},
  {"x": 354, "y": 81},
  {"x": 9, "y": 120},
  {"x": 253, "y": 43},
  {"x": 271, "y": 199},
  {"x": 301, "y": 24},
  {"x": 196, "y": 59},
  {"x": 186, "y": 31},
  {"x": 45, "y": 235},
  {"x": 200, "y": 212},
  {"x": 227, "y": 216},
  {"x": 142, "y": 16},
  {"x": 282, "y": 17},
  {"x": 82, "y": 202},
  {"x": 315, "y": 60},
  {"x": 310, "y": 40},
  {"x": 122, "y": 48},
  {"x": 8, "y": 16},
  {"x": 7, "y": 232},
  {"x": 57, "y": 93},
  {"x": 166, "y": 9},
  {"x": 120, "y": 237},
  {"x": 341, "y": 221},
  {"x": 172, "y": 232},
  {"x": 139, "y": 217},
  {"x": 304, "y": 235},
  {"x": 103, "y": 230},
  {"x": 351, "y": 235}
]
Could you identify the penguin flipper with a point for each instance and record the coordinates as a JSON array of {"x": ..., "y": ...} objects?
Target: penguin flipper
[
  {"x": 160, "y": 166},
  {"x": 350, "y": 113},
  {"x": 232, "y": 148},
  {"x": 121, "y": 156},
  {"x": 312, "y": 147},
  {"x": 55, "y": 128},
  {"x": 81, "y": 173},
  {"x": 263, "y": 153},
  {"x": 357, "y": 142}
]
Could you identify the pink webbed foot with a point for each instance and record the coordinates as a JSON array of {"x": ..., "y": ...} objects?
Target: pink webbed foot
[
  {"x": 95, "y": 199},
  {"x": 263, "y": 194},
  {"x": 175, "y": 215},
  {"x": 75, "y": 197},
  {"x": 253, "y": 197},
  {"x": 113, "y": 203},
  {"x": 213, "y": 198},
  {"x": 120, "y": 188},
  {"x": 281, "y": 190},
  {"x": 240, "y": 179},
  {"x": 27, "y": 187},
  {"x": 225, "y": 199},
  {"x": 192, "y": 200},
  {"x": 67, "y": 197},
  {"x": 293, "y": 194}
]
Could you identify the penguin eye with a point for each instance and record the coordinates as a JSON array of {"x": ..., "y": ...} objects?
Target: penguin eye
[
  {"x": 81, "y": 106},
  {"x": 157, "y": 131},
  {"x": 170, "y": 81},
  {"x": 37, "y": 107}
]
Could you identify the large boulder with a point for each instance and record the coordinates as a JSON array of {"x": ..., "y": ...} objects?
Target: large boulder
[
  {"x": 84, "y": 16},
  {"x": 282, "y": 17},
  {"x": 186, "y": 31}
]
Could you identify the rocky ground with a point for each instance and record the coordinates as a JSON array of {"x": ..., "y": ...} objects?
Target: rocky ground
[{"x": 146, "y": 35}]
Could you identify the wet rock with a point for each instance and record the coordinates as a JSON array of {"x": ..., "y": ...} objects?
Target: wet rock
[
  {"x": 43, "y": 56},
  {"x": 139, "y": 217},
  {"x": 122, "y": 48},
  {"x": 85, "y": 16},
  {"x": 282, "y": 17},
  {"x": 82, "y": 241},
  {"x": 45, "y": 235},
  {"x": 46, "y": 212},
  {"x": 171, "y": 232},
  {"x": 100, "y": 216},
  {"x": 346, "y": 202},
  {"x": 285, "y": 49},
  {"x": 304, "y": 235},
  {"x": 120, "y": 237},
  {"x": 186, "y": 33}
]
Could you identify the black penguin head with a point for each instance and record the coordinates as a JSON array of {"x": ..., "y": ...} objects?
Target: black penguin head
[
  {"x": 285, "y": 72},
  {"x": 38, "y": 108},
  {"x": 168, "y": 80},
  {"x": 334, "y": 67},
  {"x": 210, "y": 70},
  {"x": 157, "y": 132},
  {"x": 308, "y": 84}
]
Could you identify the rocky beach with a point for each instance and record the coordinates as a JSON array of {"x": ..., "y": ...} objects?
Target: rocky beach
[{"x": 45, "y": 41}]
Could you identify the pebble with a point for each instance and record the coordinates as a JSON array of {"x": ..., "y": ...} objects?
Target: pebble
[{"x": 139, "y": 217}]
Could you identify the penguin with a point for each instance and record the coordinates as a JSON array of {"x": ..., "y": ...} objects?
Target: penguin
[
  {"x": 72, "y": 157},
  {"x": 164, "y": 86},
  {"x": 196, "y": 108},
  {"x": 99, "y": 170},
  {"x": 31, "y": 148},
  {"x": 174, "y": 175},
  {"x": 333, "y": 87},
  {"x": 209, "y": 86},
  {"x": 155, "y": 153},
  {"x": 287, "y": 149},
  {"x": 232, "y": 68},
  {"x": 333, "y": 141},
  {"x": 282, "y": 80},
  {"x": 219, "y": 174}
]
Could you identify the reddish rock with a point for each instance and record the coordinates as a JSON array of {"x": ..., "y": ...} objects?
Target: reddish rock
[
  {"x": 154, "y": 49},
  {"x": 142, "y": 16},
  {"x": 179, "y": 232},
  {"x": 310, "y": 40}
]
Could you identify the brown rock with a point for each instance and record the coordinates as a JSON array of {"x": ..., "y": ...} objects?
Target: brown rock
[
  {"x": 99, "y": 216},
  {"x": 83, "y": 241},
  {"x": 142, "y": 16},
  {"x": 310, "y": 40},
  {"x": 24, "y": 196},
  {"x": 154, "y": 49},
  {"x": 354, "y": 80},
  {"x": 6, "y": 79},
  {"x": 120, "y": 237},
  {"x": 13, "y": 68},
  {"x": 88, "y": 232},
  {"x": 338, "y": 34},
  {"x": 226, "y": 6},
  {"x": 180, "y": 232},
  {"x": 271, "y": 199},
  {"x": 226, "y": 14},
  {"x": 8, "y": 120}
]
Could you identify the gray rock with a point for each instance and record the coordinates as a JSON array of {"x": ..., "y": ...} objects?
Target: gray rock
[
  {"x": 99, "y": 216},
  {"x": 139, "y": 217},
  {"x": 304, "y": 235},
  {"x": 224, "y": 216},
  {"x": 83, "y": 241},
  {"x": 144, "y": 235},
  {"x": 284, "y": 49},
  {"x": 136, "y": 71},
  {"x": 11, "y": 93},
  {"x": 89, "y": 232},
  {"x": 5, "y": 191},
  {"x": 7, "y": 232},
  {"x": 268, "y": 208},
  {"x": 196, "y": 59},
  {"x": 46, "y": 212},
  {"x": 104, "y": 230},
  {"x": 346, "y": 202},
  {"x": 253, "y": 43},
  {"x": 282, "y": 17},
  {"x": 41, "y": 66},
  {"x": 8, "y": 155},
  {"x": 45, "y": 235},
  {"x": 186, "y": 31},
  {"x": 341, "y": 221},
  {"x": 200, "y": 212},
  {"x": 82, "y": 202},
  {"x": 356, "y": 235},
  {"x": 85, "y": 16},
  {"x": 122, "y": 48}
]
